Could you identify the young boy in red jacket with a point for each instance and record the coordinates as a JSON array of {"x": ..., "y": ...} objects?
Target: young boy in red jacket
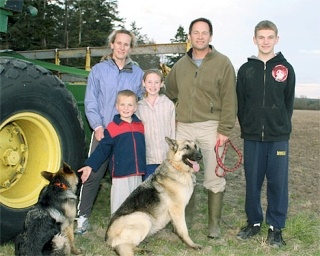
[{"x": 124, "y": 145}]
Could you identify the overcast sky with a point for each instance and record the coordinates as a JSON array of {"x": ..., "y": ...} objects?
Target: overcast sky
[{"x": 298, "y": 22}]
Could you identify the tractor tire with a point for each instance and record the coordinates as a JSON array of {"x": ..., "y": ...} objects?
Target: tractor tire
[{"x": 40, "y": 127}]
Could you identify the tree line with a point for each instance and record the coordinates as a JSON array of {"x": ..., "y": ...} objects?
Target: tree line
[
  {"x": 82, "y": 23},
  {"x": 306, "y": 104},
  {"x": 62, "y": 24},
  {"x": 73, "y": 24}
]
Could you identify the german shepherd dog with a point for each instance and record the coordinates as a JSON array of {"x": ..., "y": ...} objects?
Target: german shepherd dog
[
  {"x": 48, "y": 227},
  {"x": 158, "y": 200}
]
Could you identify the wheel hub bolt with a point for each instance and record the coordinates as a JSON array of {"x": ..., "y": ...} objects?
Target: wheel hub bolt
[{"x": 11, "y": 157}]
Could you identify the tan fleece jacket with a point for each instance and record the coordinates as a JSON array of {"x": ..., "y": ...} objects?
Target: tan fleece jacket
[{"x": 204, "y": 93}]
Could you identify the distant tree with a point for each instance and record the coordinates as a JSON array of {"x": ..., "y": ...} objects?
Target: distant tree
[
  {"x": 140, "y": 38},
  {"x": 181, "y": 36},
  {"x": 91, "y": 22},
  {"x": 31, "y": 33},
  {"x": 63, "y": 24},
  {"x": 306, "y": 104},
  {"x": 145, "y": 61}
]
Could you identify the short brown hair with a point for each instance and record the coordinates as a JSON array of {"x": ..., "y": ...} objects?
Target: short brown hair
[
  {"x": 265, "y": 24},
  {"x": 202, "y": 20}
]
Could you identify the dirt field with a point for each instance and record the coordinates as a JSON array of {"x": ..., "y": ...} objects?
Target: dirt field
[
  {"x": 304, "y": 191},
  {"x": 304, "y": 207},
  {"x": 304, "y": 168},
  {"x": 301, "y": 234},
  {"x": 305, "y": 162}
]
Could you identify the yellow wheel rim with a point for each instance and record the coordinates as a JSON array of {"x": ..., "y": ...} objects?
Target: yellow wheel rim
[{"x": 29, "y": 144}]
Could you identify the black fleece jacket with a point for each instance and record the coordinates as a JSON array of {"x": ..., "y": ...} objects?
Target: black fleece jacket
[{"x": 265, "y": 93}]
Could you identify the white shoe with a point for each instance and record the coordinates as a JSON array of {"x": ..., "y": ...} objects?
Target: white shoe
[{"x": 83, "y": 225}]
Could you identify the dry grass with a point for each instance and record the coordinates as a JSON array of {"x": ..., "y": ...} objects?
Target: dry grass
[{"x": 303, "y": 224}]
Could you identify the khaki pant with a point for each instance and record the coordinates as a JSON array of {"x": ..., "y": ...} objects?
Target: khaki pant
[{"x": 205, "y": 135}]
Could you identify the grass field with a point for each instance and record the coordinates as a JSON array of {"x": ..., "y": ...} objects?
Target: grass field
[{"x": 302, "y": 233}]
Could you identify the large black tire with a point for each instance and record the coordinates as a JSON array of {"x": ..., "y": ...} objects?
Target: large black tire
[{"x": 40, "y": 126}]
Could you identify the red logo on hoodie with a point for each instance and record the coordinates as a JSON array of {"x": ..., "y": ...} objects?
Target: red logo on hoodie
[{"x": 280, "y": 73}]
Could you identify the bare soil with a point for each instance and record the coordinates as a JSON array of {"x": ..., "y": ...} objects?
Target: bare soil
[
  {"x": 304, "y": 196},
  {"x": 304, "y": 207},
  {"x": 304, "y": 166}
]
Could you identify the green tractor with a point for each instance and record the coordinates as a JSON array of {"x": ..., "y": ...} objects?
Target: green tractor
[{"x": 41, "y": 125}]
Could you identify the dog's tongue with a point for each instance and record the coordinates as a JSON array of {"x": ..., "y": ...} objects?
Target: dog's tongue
[{"x": 195, "y": 165}]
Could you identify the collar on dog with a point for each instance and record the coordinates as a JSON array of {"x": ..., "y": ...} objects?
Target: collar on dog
[
  {"x": 177, "y": 167},
  {"x": 61, "y": 185}
]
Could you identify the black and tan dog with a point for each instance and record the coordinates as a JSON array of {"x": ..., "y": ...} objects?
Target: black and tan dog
[
  {"x": 48, "y": 228},
  {"x": 157, "y": 201}
]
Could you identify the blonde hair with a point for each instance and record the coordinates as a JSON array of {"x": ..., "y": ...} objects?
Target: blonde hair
[
  {"x": 127, "y": 93},
  {"x": 112, "y": 38},
  {"x": 153, "y": 71},
  {"x": 157, "y": 72},
  {"x": 113, "y": 35}
]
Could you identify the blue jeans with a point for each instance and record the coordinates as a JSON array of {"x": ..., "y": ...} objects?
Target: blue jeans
[{"x": 270, "y": 160}]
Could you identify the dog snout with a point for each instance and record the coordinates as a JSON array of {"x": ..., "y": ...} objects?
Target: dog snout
[{"x": 199, "y": 156}]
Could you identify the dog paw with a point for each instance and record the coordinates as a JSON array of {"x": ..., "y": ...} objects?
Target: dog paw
[
  {"x": 197, "y": 246},
  {"x": 143, "y": 251},
  {"x": 59, "y": 241},
  {"x": 76, "y": 251}
]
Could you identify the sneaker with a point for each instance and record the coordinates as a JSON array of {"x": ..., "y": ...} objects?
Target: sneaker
[
  {"x": 248, "y": 232},
  {"x": 275, "y": 238},
  {"x": 83, "y": 226}
]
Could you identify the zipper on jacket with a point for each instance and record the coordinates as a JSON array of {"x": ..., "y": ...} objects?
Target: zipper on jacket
[
  {"x": 263, "y": 100},
  {"x": 192, "y": 94},
  {"x": 211, "y": 107},
  {"x": 135, "y": 149}
]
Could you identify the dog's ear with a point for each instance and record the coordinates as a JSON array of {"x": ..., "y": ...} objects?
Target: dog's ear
[
  {"x": 67, "y": 168},
  {"x": 172, "y": 143},
  {"x": 47, "y": 175}
]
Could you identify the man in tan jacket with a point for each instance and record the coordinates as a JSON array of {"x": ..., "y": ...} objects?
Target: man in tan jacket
[{"x": 203, "y": 82}]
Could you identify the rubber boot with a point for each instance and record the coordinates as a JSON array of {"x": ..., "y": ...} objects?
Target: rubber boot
[
  {"x": 191, "y": 209},
  {"x": 214, "y": 211}
]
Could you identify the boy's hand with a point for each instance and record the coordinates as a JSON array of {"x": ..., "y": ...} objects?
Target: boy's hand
[{"x": 86, "y": 171}]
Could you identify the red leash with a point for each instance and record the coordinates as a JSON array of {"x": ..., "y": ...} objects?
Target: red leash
[{"x": 220, "y": 159}]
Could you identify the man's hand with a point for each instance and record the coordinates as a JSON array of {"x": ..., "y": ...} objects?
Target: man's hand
[{"x": 222, "y": 139}]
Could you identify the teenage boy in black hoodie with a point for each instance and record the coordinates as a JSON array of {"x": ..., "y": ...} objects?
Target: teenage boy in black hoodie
[{"x": 265, "y": 92}]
